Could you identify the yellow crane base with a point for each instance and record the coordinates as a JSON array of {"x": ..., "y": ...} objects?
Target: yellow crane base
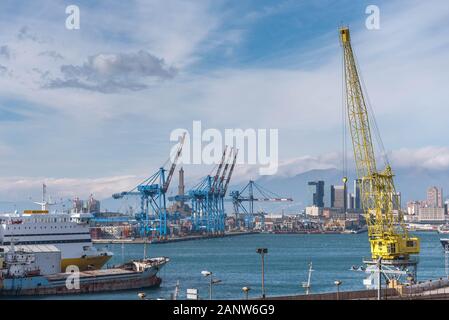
[{"x": 393, "y": 247}]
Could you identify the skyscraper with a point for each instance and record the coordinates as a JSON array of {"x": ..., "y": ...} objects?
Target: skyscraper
[
  {"x": 338, "y": 197},
  {"x": 350, "y": 201},
  {"x": 317, "y": 189},
  {"x": 435, "y": 197},
  {"x": 357, "y": 194}
]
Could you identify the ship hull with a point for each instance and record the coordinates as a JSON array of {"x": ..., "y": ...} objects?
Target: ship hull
[
  {"x": 84, "y": 282},
  {"x": 89, "y": 287}
]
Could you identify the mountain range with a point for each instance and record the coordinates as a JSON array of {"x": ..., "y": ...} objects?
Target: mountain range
[{"x": 411, "y": 182}]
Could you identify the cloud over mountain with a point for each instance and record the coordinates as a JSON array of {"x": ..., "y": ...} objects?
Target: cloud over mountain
[{"x": 431, "y": 157}]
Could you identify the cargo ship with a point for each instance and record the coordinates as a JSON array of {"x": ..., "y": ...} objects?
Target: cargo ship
[{"x": 22, "y": 273}]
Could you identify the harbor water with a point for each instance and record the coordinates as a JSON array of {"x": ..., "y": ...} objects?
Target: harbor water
[{"x": 235, "y": 262}]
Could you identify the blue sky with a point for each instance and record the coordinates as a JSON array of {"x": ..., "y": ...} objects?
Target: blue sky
[{"x": 82, "y": 127}]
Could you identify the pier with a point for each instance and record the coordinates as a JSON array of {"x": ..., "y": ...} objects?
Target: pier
[
  {"x": 174, "y": 239},
  {"x": 427, "y": 290}
]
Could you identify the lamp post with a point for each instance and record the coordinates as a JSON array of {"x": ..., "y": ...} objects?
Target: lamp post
[
  {"x": 338, "y": 283},
  {"x": 379, "y": 278},
  {"x": 246, "y": 291},
  {"x": 263, "y": 252},
  {"x": 211, "y": 282},
  {"x": 142, "y": 295}
]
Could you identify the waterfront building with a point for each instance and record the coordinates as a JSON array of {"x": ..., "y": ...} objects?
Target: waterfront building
[
  {"x": 431, "y": 215},
  {"x": 413, "y": 207},
  {"x": 314, "y": 211},
  {"x": 333, "y": 213}
]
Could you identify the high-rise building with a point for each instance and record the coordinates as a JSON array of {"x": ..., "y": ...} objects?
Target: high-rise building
[
  {"x": 435, "y": 197},
  {"x": 317, "y": 190},
  {"x": 338, "y": 197},
  {"x": 357, "y": 194},
  {"x": 350, "y": 201}
]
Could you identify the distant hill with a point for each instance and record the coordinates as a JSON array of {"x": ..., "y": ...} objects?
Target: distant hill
[{"x": 412, "y": 183}]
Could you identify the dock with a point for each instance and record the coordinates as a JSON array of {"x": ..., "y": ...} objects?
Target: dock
[
  {"x": 173, "y": 239},
  {"x": 427, "y": 290}
]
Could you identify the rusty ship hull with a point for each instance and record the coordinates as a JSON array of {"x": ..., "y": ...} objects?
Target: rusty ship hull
[{"x": 121, "y": 278}]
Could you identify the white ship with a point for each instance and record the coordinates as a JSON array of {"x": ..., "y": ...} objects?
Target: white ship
[{"x": 70, "y": 233}]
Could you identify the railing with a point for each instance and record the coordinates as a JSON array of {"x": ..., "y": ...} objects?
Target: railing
[{"x": 435, "y": 289}]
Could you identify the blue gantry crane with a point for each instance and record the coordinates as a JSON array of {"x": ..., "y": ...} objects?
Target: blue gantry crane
[
  {"x": 152, "y": 218},
  {"x": 207, "y": 197},
  {"x": 251, "y": 193}
]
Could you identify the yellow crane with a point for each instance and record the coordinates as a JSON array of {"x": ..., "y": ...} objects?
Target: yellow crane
[{"x": 387, "y": 234}]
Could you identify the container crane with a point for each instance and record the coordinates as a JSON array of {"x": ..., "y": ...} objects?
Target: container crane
[
  {"x": 207, "y": 197},
  {"x": 389, "y": 240},
  {"x": 247, "y": 194},
  {"x": 222, "y": 191},
  {"x": 152, "y": 218}
]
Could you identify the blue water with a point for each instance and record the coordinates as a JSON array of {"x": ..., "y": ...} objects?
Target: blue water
[{"x": 235, "y": 262}]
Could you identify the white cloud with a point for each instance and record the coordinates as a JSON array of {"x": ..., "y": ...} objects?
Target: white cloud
[
  {"x": 109, "y": 73},
  {"x": 431, "y": 157},
  {"x": 22, "y": 188}
]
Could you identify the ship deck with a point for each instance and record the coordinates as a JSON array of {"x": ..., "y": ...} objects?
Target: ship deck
[{"x": 93, "y": 274}]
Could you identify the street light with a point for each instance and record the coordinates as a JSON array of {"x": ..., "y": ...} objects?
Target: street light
[
  {"x": 142, "y": 295},
  {"x": 338, "y": 283},
  {"x": 246, "y": 291},
  {"x": 262, "y": 252},
  {"x": 206, "y": 274}
]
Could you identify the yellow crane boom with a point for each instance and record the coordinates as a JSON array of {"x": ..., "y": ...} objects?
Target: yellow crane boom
[{"x": 388, "y": 236}]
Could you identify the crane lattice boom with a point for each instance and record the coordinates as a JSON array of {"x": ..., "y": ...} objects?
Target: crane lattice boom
[
  {"x": 387, "y": 234},
  {"x": 175, "y": 161}
]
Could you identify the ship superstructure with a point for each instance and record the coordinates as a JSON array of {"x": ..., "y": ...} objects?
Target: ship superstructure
[{"x": 67, "y": 232}]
